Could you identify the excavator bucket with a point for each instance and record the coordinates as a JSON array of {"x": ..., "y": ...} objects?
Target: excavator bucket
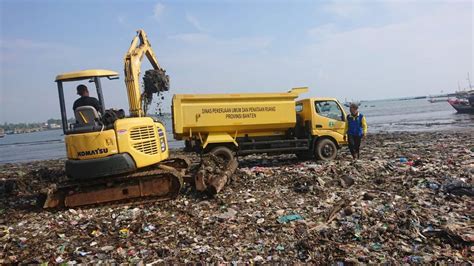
[{"x": 156, "y": 81}]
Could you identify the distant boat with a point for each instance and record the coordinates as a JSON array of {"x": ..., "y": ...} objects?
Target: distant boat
[
  {"x": 348, "y": 104},
  {"x": 437, "y": 99},
  {"x": 463, "y": 105},
  {"x": 2, "y": 133},
  {"x": 464, "y": 101}
]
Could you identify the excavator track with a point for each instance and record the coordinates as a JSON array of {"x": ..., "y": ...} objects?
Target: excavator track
[{"x": 160, "y": 182}]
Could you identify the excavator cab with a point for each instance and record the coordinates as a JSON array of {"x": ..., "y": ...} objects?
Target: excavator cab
[
  {"x": 97, "y": 148},
  {"x": 111, "y": 157},
  {"x": 87, "y": 118},
  {"x": 91, "y": 145}
]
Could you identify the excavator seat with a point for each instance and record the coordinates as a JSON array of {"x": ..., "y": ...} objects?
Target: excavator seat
[
  {"x": 86, "y": 116},
  {"x": 87, "y": 120}
]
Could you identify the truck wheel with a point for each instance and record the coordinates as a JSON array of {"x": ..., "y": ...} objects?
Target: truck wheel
[
  {"x": 223, "y": 152},
  {"x": 326, "y": 150}
]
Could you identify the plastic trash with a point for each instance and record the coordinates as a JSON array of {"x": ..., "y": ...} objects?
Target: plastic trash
[
  {"x": 458, "y": 188},
  {"x": 433, "y": 186},
  {"x": 149, "y": 228},
  {"x": 346, "y": 181},
  {"x": 413, "y": 259},
  {"x": 124, "y": 232},
  {"x": 375, "y": 246},
  {"x": 107, "y": 248},
  {"x": 229, "y": 214},
  {"x": 368, "y": 196},
  {"x": 96, "y": 233},
  {"x": 289, "y": 218},
  {"x": 4, "y": 232}
]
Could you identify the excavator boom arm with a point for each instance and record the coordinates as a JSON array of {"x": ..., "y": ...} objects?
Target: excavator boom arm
[{"x": 139, "y": 47}]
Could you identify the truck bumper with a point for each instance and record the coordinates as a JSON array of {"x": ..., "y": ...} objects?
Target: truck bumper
[{"x": 93, "y": 168}]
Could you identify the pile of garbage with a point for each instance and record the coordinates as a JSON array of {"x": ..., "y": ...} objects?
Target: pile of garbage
[
  {"x": 407, "y": 200},
  {"x": 214, "y": 173}
]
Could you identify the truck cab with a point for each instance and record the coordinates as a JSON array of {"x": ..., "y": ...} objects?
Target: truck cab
[
  {"x": 325, "y": 115},
  {"x": 322, "y": 120}
]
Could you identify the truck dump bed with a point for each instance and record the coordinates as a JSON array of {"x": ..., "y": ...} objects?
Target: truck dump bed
[{"x": 234, "y": 114}]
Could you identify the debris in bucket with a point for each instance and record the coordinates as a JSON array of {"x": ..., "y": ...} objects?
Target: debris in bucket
[
  {"x": 390, "y": 214},
  {"x": 155, "y": 81}
]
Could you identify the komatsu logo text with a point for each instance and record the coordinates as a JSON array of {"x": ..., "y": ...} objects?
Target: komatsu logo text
[{"x": 92, "y": 152}]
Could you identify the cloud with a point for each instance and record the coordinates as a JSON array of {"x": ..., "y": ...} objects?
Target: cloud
[
  {"x": 25, "y": 44},
  {"x": 407, "y": 55},
  {"x": 158, "y": 10},
  {"x": 346, "y": 9},
  {"x": 195, "y": 22},
  {"x": 416, "y": 55},
  {"x": 419, "y": 49},
  {"x": 206, "y": 42},
  {"x": 191, "y": 37},
  {"x": 12, "y": 49},
  {"x": 322, "y": 31}
]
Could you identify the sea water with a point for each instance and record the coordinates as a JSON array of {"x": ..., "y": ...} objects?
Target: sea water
[{"x": 387, "y": 115}]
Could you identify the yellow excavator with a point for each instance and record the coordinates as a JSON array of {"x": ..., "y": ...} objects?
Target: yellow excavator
[{"x": 111, "y": 157}]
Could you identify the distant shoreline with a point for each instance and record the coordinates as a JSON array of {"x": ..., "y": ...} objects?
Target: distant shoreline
[{"x": 30, "y": 131}]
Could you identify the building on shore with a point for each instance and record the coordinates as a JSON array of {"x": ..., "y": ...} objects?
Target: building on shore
[{"x": 26, "y": 130}]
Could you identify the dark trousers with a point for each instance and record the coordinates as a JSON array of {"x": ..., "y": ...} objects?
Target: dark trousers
[{"x": 354, "y": 145}]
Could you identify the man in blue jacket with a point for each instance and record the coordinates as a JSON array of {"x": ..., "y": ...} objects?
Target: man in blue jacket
[{"x": 355, "y": 130}]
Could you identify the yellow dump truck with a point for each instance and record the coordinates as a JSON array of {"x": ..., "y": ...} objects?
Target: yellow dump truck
[{"x": 228, "y": 124}]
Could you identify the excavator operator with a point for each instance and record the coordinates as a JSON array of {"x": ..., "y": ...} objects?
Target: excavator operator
[{"x": 85, "y": 99}]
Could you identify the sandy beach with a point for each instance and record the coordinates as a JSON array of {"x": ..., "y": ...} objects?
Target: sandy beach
[{"x": 408, "y": 200}]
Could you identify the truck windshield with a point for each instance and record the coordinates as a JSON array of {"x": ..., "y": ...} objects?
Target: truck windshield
[{"x": 329, "y": 109}]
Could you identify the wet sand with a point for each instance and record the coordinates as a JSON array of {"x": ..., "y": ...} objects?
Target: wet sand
[{"x": 408, "y": 200}]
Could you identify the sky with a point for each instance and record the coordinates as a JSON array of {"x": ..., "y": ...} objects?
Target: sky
[{"x": 354, "y": 50}]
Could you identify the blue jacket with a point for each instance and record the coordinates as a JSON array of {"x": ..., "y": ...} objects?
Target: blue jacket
[{"x": 356, "y": 125}]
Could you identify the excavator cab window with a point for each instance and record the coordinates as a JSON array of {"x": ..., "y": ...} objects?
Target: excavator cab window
[{"x": 86, "y": 119}]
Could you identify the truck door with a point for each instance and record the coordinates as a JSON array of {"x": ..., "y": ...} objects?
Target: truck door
[{"x": 329, "y": 117}]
